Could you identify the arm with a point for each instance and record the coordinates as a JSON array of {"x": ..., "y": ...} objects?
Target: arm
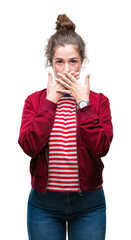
[
  {"x": 96, "y": 129},
  {"x": 36, "y": 126}
]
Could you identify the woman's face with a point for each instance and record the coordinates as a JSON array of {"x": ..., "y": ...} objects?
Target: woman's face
[{"x": 66, "y": 59}]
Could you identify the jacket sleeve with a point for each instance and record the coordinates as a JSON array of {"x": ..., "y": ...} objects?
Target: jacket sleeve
[
  {"x": 36, "y": 126},
  {"x": 96, "y": 129}
]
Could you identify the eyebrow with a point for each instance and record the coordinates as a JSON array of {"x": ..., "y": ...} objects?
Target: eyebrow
[{"x": 59, "y": 58}]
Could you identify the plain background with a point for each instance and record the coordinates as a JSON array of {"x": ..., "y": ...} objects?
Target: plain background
[{"x": 25, "y": 27}]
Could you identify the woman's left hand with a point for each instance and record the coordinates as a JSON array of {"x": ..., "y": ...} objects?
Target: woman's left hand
[{"x": 75, "y": 88}]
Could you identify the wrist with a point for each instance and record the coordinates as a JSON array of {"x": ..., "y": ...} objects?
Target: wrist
[
  {"x": 51, "y": 99},
  {"x": 82, "y": 99}
]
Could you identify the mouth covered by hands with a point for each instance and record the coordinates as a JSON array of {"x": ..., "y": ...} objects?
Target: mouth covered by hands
[{"x": 70, "y": 85}]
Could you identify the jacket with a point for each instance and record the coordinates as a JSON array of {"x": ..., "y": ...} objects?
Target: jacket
[{"x": 93, "y": 137}]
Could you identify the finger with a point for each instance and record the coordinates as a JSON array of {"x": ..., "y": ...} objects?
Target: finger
[
  {"x": 70, "y": 77},
  {"x": 64, "y": 78},
  {"x": 87, "y": 78},
  {"x": 50, "y": 77},
  {"x": 64, "y": 91},
  {"x": 72, "y": 72},
  {"x": 77, "y": 75},
  {"x": 63, "y": 82},
  {"x": 87, "y": 82}
]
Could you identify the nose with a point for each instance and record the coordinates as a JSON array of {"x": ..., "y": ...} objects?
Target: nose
[{"x": 67, "y": 67}]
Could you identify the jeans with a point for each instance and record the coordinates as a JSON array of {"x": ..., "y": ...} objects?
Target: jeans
[{"x": 49, "y": 213}]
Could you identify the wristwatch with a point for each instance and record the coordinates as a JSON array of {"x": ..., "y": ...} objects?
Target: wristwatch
[{"x": 82, "y": 104}]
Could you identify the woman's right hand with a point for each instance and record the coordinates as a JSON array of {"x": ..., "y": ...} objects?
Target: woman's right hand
[{"x": 52, "y": 94}]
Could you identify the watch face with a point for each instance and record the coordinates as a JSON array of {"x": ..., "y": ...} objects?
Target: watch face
[{"x": 82, "y": 104}]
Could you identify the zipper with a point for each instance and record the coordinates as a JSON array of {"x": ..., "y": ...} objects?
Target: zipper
[
  {"x": 77, "y": 152},
  {"x": 46, "y": 152}
]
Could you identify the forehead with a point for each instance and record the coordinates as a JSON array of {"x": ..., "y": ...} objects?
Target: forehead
[{"x": 67, "y": 51}]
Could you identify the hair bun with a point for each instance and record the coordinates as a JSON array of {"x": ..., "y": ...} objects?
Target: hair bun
[{"x": 63, "y": 23}]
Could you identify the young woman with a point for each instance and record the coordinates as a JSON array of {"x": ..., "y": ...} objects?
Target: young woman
[{"x": 66, "y": 129}]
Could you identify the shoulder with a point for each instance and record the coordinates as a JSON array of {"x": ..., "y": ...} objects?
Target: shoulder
[
  {"x": 98, "y": 100},
  {"x": 94, "y": 96},
  {"x": 37, "y": 94},
  {"x": 36, "y": 98}
]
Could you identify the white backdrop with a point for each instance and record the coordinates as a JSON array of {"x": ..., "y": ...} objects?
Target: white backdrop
[{"x": 25, "y": 27}]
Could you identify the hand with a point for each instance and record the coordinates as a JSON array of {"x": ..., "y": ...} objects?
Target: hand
[
  {"x": 52, "y": 87},
  {"x": 76, "y": 89}
]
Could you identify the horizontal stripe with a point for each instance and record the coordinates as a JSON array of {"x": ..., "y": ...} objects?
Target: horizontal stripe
[
  {"x": 61, "y": 127},
  {"x": 63, "y": 131},
  {"x": 58, "y": 155},
  {"x": 63, "y": 180},
  {"x": 63, "y": 152},
  {"x": 66, "y": 130},
  {"x": 65, "y": 117},
  {"x": 66, "y": 100},
  {"x": 63, "y": 148},
  {"x": 63, "y": 170},
  {"x": 63, "y": 164},
  {"x": 66, "y": 166},
  {"x": 65, "y": 109},
  {"x": 55, "y": 135},
  {"x": 55, "y": 141},
  {"x": 62, "y": 161},
  {"x": 72, "y": 122},
  {"x": 62, "y": 190},
  {"x": 70, "y": 144},
  {"x": 61, "y": 143},
  {"x": 68, "y": 105},
  {"x": 63, "y": 184},
  {"x": 64, "y": 122},
  {"x": 64, "y": 157},
  {"x": 66, "y": 138},
  {"x": 64, "y": 125},
  {"x": 65, "y": 114},
  {"x": 64, "y": 175},
  {"x": 54, "y": 157}
]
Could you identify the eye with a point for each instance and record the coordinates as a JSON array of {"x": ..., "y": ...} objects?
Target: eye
[
  {"x": 73, "y": 61},
  {"x": 59, "y": 62}
]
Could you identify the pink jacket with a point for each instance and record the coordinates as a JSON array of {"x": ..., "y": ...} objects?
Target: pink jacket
[{"x": 94, "y": 136}]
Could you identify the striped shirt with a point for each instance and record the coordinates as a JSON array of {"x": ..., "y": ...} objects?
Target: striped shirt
[{"x": 63, "y": 164}]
